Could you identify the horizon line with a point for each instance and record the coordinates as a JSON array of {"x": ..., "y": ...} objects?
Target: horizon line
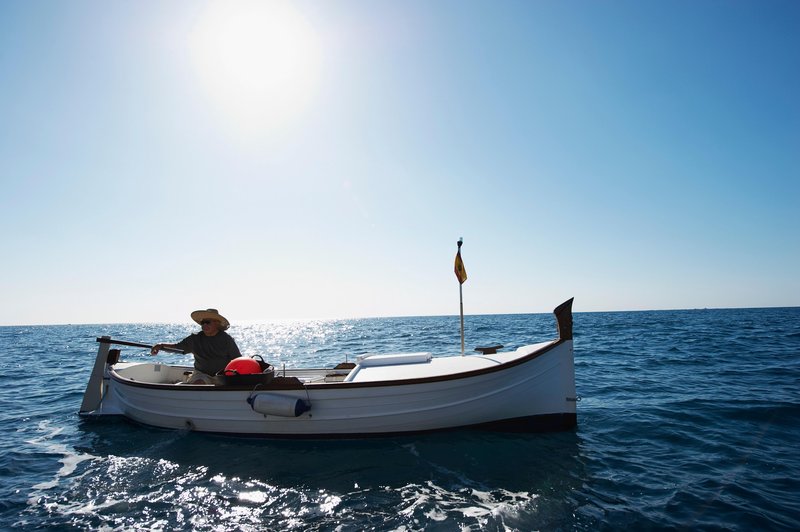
[{"x": 268, "y": 320}]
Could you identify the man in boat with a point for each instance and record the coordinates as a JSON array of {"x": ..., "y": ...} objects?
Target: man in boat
[{"x": 212, "y": 347}]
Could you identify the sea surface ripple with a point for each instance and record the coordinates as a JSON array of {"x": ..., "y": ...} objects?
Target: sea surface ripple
[{"x": 688, "y": 420}]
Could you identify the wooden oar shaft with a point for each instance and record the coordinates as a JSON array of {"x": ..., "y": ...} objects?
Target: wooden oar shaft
[{"x": 137, "y": 344}]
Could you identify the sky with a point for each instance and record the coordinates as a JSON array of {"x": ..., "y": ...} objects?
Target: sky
[{"x": 315, "y": 159}]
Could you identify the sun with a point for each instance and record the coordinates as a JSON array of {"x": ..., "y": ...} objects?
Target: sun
[{"x": 257, "y": 60}]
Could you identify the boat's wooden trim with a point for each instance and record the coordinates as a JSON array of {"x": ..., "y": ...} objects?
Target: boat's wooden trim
[
  {"x": 439, "y": 378},
  {"x": 292, "y": 383},
  {"x": 563, "y": 315}
]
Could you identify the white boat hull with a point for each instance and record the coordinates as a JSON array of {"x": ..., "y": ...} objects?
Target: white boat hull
[{"x": 532, "y": 388}]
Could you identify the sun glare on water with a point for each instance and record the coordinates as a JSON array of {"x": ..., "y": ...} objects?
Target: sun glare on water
[{"x": 258, "y": 60}]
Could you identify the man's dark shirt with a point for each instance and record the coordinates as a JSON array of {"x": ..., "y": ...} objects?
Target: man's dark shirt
[{"x": 211, "y": 353}]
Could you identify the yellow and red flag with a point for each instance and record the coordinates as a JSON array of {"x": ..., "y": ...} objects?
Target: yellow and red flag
[{"x": 461, "y": 272}]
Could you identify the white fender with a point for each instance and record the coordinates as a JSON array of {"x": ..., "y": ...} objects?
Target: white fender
[{"x": 278, "y": 405}]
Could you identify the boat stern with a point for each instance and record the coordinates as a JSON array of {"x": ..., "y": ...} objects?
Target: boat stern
[{"x": 98, "y": 397}]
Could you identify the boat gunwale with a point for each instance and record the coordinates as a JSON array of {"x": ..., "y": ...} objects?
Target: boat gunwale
[{"x": 293, "y": 383}]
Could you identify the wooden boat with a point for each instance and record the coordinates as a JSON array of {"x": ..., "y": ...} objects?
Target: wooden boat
[{"x": 529, "y": 389}]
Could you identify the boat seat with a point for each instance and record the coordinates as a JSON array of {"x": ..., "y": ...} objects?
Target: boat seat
[
  {"x": 392, "y": 359},
  {"x": 488, "y": 350},
  {"x": 374, "y": 362}
]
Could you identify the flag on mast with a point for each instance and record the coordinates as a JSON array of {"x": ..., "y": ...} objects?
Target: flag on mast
[
  {"x": 461, "y": 275},
  {"x": 461, "y": 272}
]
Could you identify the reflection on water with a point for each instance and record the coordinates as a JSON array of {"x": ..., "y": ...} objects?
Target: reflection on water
[{"x": 154, "y": 478}]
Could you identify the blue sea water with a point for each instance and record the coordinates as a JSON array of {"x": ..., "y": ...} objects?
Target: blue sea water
[{"x": 688, "y": 420}]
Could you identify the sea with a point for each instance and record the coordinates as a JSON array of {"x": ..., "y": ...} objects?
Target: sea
[{"x": 687, "y": 419}]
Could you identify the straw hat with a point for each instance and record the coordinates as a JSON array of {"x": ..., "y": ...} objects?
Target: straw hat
[{"x": 210, "y": 314}]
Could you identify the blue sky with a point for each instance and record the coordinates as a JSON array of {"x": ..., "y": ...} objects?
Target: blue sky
[{"x": 320, "y": 159}]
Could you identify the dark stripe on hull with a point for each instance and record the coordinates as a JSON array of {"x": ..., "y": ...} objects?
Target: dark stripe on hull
[
  {"x": 543, "y": 423},
  {"x": 529, "y": 424}
]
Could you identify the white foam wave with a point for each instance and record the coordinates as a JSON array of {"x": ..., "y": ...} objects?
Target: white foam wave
[{"x": 69, "y": 457}]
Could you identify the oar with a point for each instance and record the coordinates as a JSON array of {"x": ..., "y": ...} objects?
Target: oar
[{"x": 136, "y": 344}]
